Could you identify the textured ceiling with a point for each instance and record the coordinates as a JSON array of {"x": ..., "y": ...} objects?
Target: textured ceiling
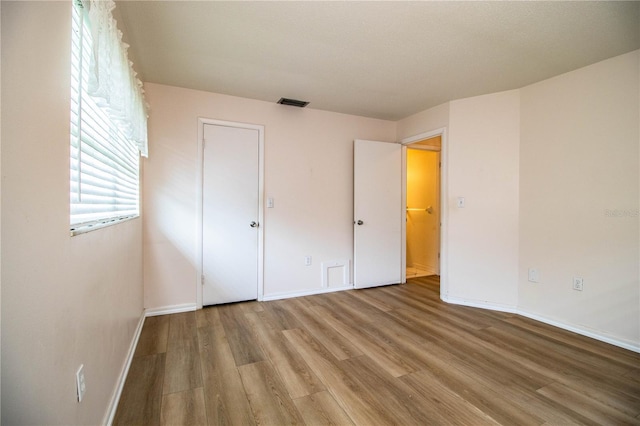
[{"x": 376, "y": 59}]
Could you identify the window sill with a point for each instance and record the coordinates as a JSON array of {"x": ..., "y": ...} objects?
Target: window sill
[{"x": 83, "y": 228}]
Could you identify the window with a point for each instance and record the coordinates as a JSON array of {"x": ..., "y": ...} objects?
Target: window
[{"x": 105, "y": 158}]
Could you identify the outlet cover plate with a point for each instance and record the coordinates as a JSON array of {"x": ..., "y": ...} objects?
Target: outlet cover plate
[{"x": 578, "y": 283}]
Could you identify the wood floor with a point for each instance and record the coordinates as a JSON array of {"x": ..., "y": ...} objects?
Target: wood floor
[{"x": 392, "y": 355}]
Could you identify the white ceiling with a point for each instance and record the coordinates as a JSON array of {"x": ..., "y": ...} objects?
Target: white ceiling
[{"x": 377, "y": 59}]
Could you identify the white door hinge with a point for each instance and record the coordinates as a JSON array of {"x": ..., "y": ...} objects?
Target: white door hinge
[{"x": 202, "y": 279}]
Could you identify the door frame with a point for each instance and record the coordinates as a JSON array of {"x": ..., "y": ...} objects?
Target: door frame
[
  {"x": 199, "y": 204},
  {"x": 444, "y": 208}
]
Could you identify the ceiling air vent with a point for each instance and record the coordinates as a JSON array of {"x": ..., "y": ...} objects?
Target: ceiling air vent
[{"x": 293, "y": 102}]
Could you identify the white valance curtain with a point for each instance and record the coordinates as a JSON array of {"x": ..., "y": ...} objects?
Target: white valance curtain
[{"x": 112, "y": 80}]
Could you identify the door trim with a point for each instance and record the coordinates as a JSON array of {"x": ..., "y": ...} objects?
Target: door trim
[
  {"x": 199, "y": 194},
  {"x": 444, "y": 208}
]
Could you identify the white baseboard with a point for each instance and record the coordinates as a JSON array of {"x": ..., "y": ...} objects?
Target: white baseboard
[
  {"x": 115, "y": 398},
  {"x": 288, "y": 295},
  {"x": 479, "y": 304},
  {"x": 584, "y": 331},
  {"x": 171, "y": 309},
  {"x": 594, "y": 334}
]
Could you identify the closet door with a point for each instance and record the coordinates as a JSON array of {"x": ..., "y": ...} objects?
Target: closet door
[{"x": 230, "y": 211}]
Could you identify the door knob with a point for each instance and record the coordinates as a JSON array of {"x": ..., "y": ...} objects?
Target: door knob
[
  {"x": 359, "y": 222},
  {"x": 253, "y": 224}
]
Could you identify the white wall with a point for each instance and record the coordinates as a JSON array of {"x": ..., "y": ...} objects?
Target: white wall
[
  {"x": 308, "y": 172},
  {"x": 540, "y": 167},
  {"x": 72, "y": 300},
  {"x": 480, "y": 162},
  {"x": 483, "y": 155},
  {"x": 514, "y": 190},
  {"x": 578, "y": 167},
  {"x": 66, "y": 300},
  {"x": 424, "y": 121}
]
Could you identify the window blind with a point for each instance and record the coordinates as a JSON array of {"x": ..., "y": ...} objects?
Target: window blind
[{"x": 104, "y": 167}]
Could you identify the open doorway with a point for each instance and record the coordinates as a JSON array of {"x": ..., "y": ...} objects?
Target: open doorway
[{"x": 423, "y": 210}]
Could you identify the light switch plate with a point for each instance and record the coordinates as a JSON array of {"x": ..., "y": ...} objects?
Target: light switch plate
[{"x": 81, "y": 386}]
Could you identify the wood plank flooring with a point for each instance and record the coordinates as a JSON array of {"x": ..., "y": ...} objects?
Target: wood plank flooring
[{"x": 393, "y": 355}]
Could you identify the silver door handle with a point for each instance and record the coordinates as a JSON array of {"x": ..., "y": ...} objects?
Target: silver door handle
[
  {"x": 359, "y": 222},
  {"x": 253, "y": 224}
]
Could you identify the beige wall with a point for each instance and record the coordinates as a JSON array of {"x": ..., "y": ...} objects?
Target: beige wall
[
  {"x": 66, "y": 300},
  {"x": 539, "y": 167},
  {"x": 424, "y": 121},
  {"x": 578, "y": 166},
  {"x": 550, "y": 176},
  {"x": 480, "y": 163},
  {"x": 308, "y": 172},
  {"x": 483, "y": 168}
]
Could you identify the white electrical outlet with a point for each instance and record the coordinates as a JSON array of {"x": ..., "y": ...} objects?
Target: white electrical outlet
[
  {"x": 534, "y": 275},
  {"x": 578, "y": 283},
  {"x": 307, "y": 260},
  {"x": 81, "y": 386}
]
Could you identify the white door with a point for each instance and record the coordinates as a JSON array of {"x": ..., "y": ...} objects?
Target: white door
[
  {"x": 230, "y": 211},
  {"x": 377, "y": 213}
]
